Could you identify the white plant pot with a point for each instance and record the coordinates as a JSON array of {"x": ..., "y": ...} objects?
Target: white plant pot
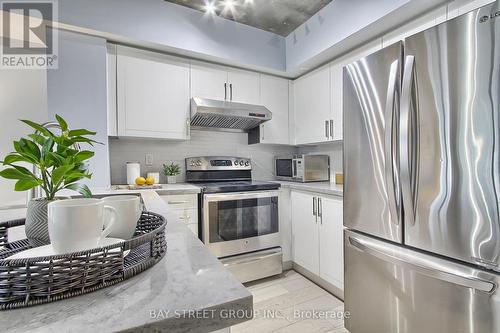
[{"x": 171, "y": 179}]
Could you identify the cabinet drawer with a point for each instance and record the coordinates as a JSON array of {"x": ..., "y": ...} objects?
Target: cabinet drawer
[
  {"x": 187, "y": 216},
  {"x": 181, "y": 201}
]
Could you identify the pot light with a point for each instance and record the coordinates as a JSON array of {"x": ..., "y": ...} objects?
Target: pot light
[
  {"x": 209, "y": 8},
  {"x": 248, "y": 2},
  {"x": 228, "y": 5}
]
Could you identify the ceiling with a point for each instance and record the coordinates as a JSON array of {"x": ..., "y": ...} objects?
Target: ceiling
[{"x": 278, "y": 16}]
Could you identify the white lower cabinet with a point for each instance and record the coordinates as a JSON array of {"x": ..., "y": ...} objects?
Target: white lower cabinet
[
  {"x": 305, "y": 237},
  {"x": 183, "y": 208},
  {"x": 317, "y": 235},
  {"x": 331, "y": 249}
]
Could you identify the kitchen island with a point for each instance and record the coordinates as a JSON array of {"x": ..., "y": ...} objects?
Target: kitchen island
[{"x": 189, "y": 290}]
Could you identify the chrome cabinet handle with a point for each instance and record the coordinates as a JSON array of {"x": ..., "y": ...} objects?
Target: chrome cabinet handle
[
  {"x": 391, "y": 171},
  {"x": 225, "y": 90},
  {"x": 320, "y": 210},
  {"x": 231, "y": 91},
  {"x": 331, "y": 128},
  {"x": 174, "y": 202},
  {"x": 423, "y": 266},
  {"x": 327, "y": 130},
  {"x": 262, "y": 130},
  {"x": 315, "y": 210},
  {"x": 408, "y": 147}
]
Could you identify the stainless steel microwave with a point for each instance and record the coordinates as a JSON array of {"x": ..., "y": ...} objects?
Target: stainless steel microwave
[{"x": 302, "y": 168}]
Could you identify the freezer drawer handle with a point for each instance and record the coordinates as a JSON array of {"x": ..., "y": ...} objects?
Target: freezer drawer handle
[{"x": 450, "y": 275}]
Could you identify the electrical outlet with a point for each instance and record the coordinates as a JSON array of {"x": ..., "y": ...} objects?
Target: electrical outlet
[{"x": 149, "y": 159}]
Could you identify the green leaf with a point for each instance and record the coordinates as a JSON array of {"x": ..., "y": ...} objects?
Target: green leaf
[
  {"x": 26, "y": 184},
  {"x": 58, "y": 159},
  {"x": 60, "y": 172},
  {"x": 83, "y": 155},
  {"x": 38, "y": 127},
  {"x": 62, "y": 123},
  {"x": 12, "y": 158},
  {"x": 80, "y": 188},
  {"x": 14, "y": 173},
  {"x": 47, "y": 146},
  {"x": 40, "y": 139},
  {"x": 80, "y": 132}
]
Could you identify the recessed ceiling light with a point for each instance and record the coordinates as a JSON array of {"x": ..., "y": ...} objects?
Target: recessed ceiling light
[
  {"x": 248, "y": 2},
  {"x": 228, "y": 5},
  {"x": 209, "y": 8}
]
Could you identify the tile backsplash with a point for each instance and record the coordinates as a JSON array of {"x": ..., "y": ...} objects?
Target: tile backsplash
[{"x": 205, "y": 143}]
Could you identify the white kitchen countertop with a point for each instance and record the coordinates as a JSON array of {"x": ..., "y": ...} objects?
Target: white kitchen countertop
[
  {"x": 189, "y": 290},
  {"x": 327, "y": 188}
]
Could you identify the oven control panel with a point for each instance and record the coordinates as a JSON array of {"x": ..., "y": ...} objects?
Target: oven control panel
[{"x": 217, "y": 163}]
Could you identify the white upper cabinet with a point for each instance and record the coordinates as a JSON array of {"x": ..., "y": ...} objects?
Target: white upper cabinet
[
  {"x": 244, "y": 86},
  {"x": 209, "y": 81},
  {"x": 152, "y": 95},
  {"x": 111, "y": 89},
  {"x": 460, "y": 7},
  {"x": 274, "y": 96},
  {"x": 312, "y": 107},
  {"x": 221, "y": 83}
]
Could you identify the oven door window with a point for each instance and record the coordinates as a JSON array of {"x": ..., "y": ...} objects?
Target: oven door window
[
  {"x": 284, "y": 168},
  {"x": 240, "y": 219}
]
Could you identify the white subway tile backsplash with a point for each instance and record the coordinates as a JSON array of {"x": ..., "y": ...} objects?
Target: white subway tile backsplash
[{"x": 206, "y": 143}]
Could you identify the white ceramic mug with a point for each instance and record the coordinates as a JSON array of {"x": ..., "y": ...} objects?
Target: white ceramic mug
[
  {"x": 77, "y": 224},
  {"x": 129, "y": 209}
]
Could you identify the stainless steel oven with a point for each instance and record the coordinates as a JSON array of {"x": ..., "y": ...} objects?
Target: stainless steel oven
[
  {"x": 235, "y": 223},
  {"x": 239, "y": 219}
]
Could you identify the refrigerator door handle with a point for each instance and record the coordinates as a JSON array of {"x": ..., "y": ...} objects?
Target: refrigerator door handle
[
  {"x": 408, "y": 139},
  {"x": 421, "y": 265},
  {"x": 391, "y": 172}
]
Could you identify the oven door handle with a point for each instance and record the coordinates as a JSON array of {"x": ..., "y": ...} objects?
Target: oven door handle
[{"x": 239, "y": 196}]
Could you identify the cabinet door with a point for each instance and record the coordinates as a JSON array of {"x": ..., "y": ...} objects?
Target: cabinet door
[
  {"x": 153, "y": 95},
  {"x": 331, "y": 266},
  {"x": 209, "y": 81},
  {"x": 274, "y": 96},
  {"x": 244, "y": 87},
  {"x": 304, "y": 232},
  {"x": 337, "y": 82},
  {"x": 312, "y": 107}
]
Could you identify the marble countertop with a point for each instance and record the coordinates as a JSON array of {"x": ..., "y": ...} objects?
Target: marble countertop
[
  {"x": 189, "y": 290},
  {"x": 327, "y": 188}
]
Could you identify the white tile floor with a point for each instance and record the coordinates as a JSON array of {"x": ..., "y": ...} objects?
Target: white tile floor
[{"x": 292, "y": 303}]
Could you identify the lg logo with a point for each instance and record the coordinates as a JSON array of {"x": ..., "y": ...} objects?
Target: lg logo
[{"x": 486, "y": 18}]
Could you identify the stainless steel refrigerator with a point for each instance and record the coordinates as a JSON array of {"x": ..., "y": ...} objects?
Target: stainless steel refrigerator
[{"x": 422, "y": 181}]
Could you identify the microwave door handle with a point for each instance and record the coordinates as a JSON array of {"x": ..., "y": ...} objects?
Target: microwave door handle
[
  {"x": 389, "y": 150},
  {"x": 408, "y": 138},
  {"x": 294, "y": 168}
]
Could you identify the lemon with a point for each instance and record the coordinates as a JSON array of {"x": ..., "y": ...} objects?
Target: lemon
[
  {"x": 150, "y": 181},
  {"x": 140, "y": 181}
]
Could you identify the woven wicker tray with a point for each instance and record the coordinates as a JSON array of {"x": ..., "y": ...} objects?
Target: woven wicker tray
[{"x": 31, "y": 281}]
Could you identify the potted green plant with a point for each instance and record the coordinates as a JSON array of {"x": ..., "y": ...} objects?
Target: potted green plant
[
  {"x": 171, "y": 171},
  {"x": 59, "y": 164}
]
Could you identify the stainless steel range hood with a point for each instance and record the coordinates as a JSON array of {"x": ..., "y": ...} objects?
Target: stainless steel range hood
[{"x": 225, "y": 115}]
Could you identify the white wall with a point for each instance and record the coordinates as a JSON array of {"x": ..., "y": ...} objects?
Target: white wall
[
  {"x": 178, "y": 27},
  {"x": 203, "y": 143},
  {"x": 23, "y": 95},
  {"x": 332, "y": 24},
  {"x": 77, "y": 92}
]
